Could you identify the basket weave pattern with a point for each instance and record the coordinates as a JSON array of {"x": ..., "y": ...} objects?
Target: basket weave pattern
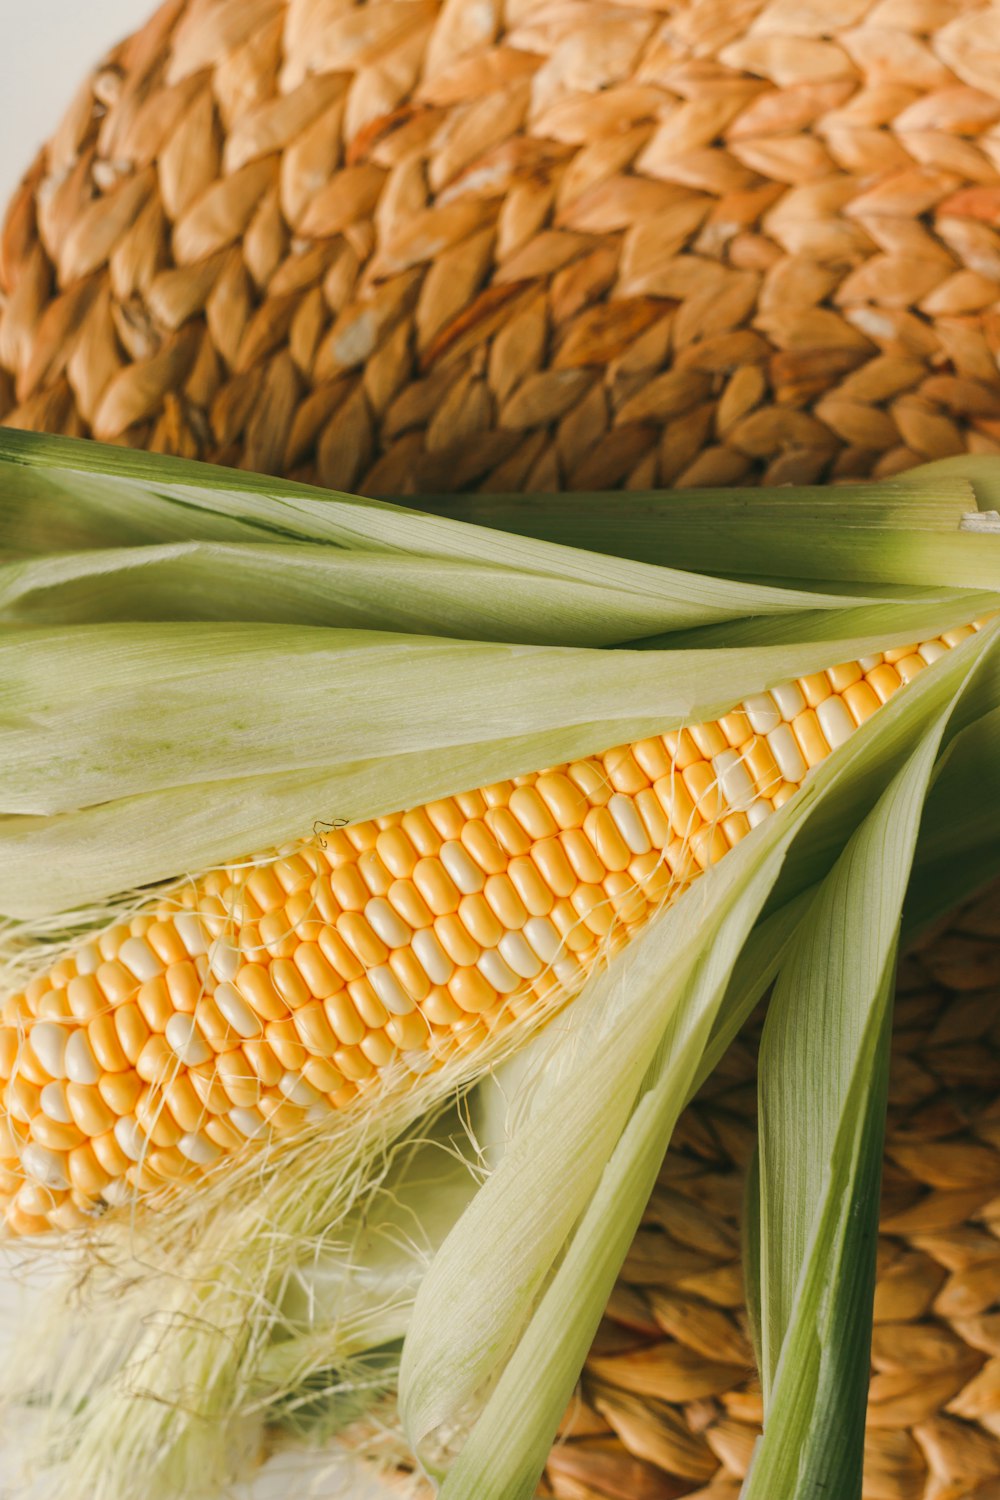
[
  {"x": 427, "y": 244},
  {"x": 668, "y": 1408}
]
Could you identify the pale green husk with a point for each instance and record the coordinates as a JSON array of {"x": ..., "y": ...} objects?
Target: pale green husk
[{"x": 198, "y": 664}]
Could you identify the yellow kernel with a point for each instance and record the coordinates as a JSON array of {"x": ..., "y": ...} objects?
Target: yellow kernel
[
  {"x": 708, "y": 845},
  {"x": 263, "y": 1060},
  {"x": 483, "y": 847},
  {"x": 530, "y": 886},
  {"x": 809, "y": 737},
  {"x": 327, "y": 904},
  {"x": 479, "y": 919},
  {"x": 781, "y": 795},
  {"x": 362, "y": 836},
  {"x": 289, "y": 983},
  {"x": 343, "y": 1017},
  {"x": 85, "y": 1172},
  {"x": 396, "y": 853},
  {"x": 109, "y": 1154},
  {"x": 550, "y": 858},
  {"x": 582, "y": 857},
  {"x": 437, "y": 888},
  {"x": 156, "y": 1060},
  {"x": 377, "y": 1048},
  {"x": 677, "y": 804},
  {"x": 116, "y": 982},
  {"x": 89, "y": 1110},
  {"x": 54, "y": 1135},
  {"x": 736, "y": 728},
  {"x": 682, "y": 748},
  {"x": 470, "y": 991},
  {"x": 353, "y": 1063},
  {"x": 532, "y": 813},
  {"x": 471, "y": 804},
  {"x": 165, "y": 941},
  {"x": 447, "y": 817},
  {"x": 497, "y": 794},
  {"x": 500, "y": 892},
  {"x": 565, "y": 802},
  {"x": 183, "y": 1102},
  {"x": 910, "y": 666},
  {"x": 421, "y": 832},
  {"x": 349, "y": 888},
  {"x": 815, "y": 688},
  {"x": 735, "y": 827},
  {"x": 652, "y": 873},
  {"x": 591, "y": 904},
  {"x": 654, "y": 819},
  {"x": 627, "y": 899},
  {"x": 592, "y": 779},
  {"x": 844, "y": 676},
  {"x": 320, "y": 976},
  {"x": 28, "y": 1066},
  {"x": 111, "y": 940},
  {"x": 884, "y": 680},
  {"x": 861, "y": 700},
  {"x": 8, "y": 1051},
  {"x": 184, "y": 986},
  {"x": 283, "y": 1039},
  {"x": 213, "y": 1025},
  {"x": 266, "y": 889},
  {"x": 652, "y": 757},
  {"x": 322, "y": 1075},
  {"x": 703, "y": 785},
  {"x": 602, "y": 831},
  {"x": 238, "y": 1079},
  {"x": 303, "y": 915},
  {"x": 760, "y": 762},
  {"x": 957, "y": 636},
  {"x": 254, "y": 983},
  {"x": 121, "y": 1090},
  {"x": 710, "y": 739},
  {"x": 224, "y": 1135},
  {"x": 567, "y": 922},
  {"x": 205, "y": 1082},
  {"x": 337, "y": 953},
  {"x": 623, "y": 770},
  {"x": 456, "y": 939},
  {"x": 410, "y": 973},
  {"x": 155, "y": 1119},
  {"x": 314, "y": 1029},
  {"x": 276, "y": 935},
  {"x": 899, "y": 653},
  {"x": 367, "y": 1004},
  {"x": 405, "y": 899},
  {"x": 507, "y": 831},
  {"x": 374, "y": 873},
  {"x": 410, "y": 1033}
]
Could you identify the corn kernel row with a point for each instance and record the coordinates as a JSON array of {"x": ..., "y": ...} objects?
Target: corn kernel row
[{"x": 270, "y": 994}]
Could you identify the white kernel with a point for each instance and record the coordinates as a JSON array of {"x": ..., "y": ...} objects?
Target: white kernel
[
  {"x": 117, "y": 1193},
  {"x": 758, "y": 811},
  {"x": 198, "y": 1148},
  {"x": 186, "y": 1040},
  {"x": 191, "y": 932},
  {"x": 386, "y": 923},
  {"x": 434, "y": 961},
  {"x": 389, "y": 990},
  {"x": 734, "y": 780},
  {"x": 88, "y": 959},
  {"x": 298, "y": 1090},
  {"x": 932, "y": 651},
  {"x": 46, "y": 1167},
  {"x": 54, "y": 1103},
  {"x": 81, "y": 1064},
  {"x": 762, "y": 711},
  {"x": 790, "y": 700},
  {"x": 463, "y": 870},
  {"x": 249, "y": 1122},
  {"x": 629, "y": 824},
  {"x": 139, "y": 958},
  {"x": 787, "y": 754},
  {"x": 224, "y": 960},
  {"x": 869, "y": 663},
  {"x": 543, "y": 937},
  {"x": 835, "y": 721},
  {"x": 516, "y": 952},
  {"x": 129, "y": 1137},
  {"x": 236, "y": 1011},
  {"x": 48, "y": 1042},
  {"x": 500, "y": 976}
]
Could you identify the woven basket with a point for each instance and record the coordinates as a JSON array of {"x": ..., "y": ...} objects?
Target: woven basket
[
  {"x": 426, "y": 244},
  {"x": 417, "y": 246}
]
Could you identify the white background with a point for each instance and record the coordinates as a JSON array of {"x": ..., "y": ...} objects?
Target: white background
[{"x": 49, "y": 46}]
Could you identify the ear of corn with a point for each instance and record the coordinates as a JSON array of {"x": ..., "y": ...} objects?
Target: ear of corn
[{"x": 137, "y": 750}]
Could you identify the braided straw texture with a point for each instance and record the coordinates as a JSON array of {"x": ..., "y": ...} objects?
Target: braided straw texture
[{"x": 431, "y": 244}]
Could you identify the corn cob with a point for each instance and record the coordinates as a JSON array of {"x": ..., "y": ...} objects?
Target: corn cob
[{"x": 271, "y": 993}]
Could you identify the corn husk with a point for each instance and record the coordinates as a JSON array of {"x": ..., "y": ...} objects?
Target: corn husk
[{"x": 196, "y": 665}]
